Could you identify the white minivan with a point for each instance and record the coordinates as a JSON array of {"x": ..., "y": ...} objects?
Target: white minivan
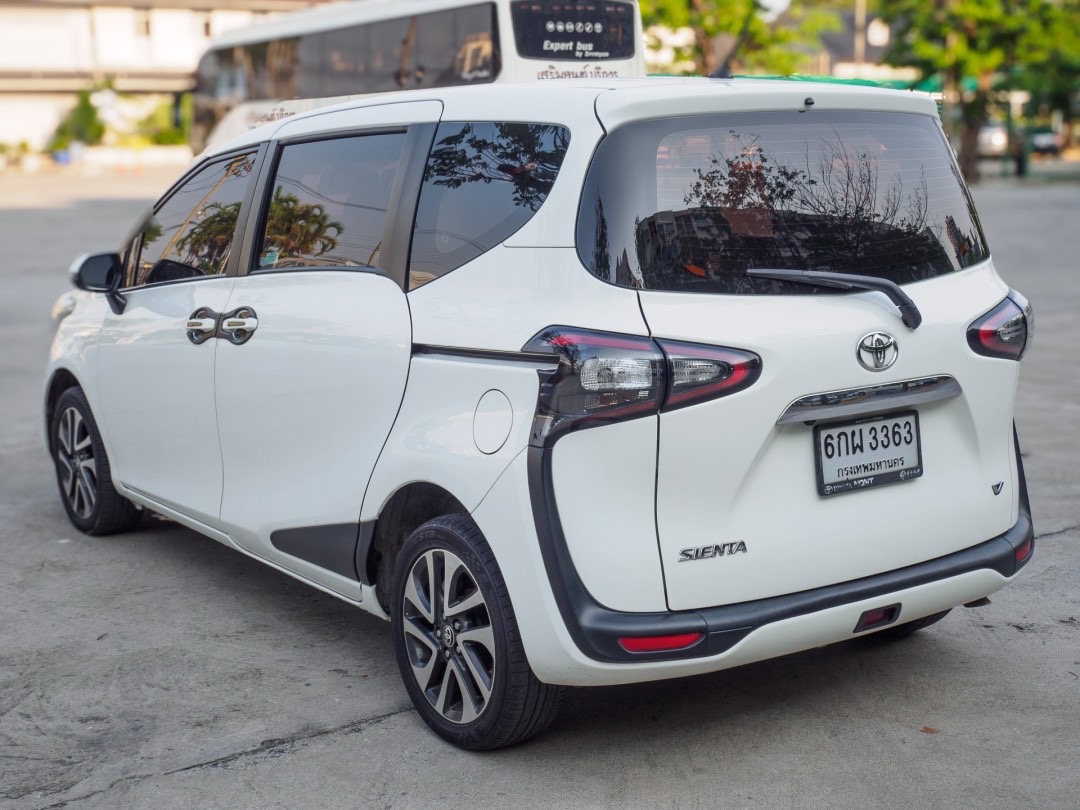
[{"x": 584, "y": 383}]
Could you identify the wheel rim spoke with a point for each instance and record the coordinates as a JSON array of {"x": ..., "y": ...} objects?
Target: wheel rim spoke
[
  {"x": 85, "y": 496},
  {"x": 67, "y": 472},
  {"x": 424, "y": 653},
  {"x": 66, "y": 433},
  {"x": 471, "y": 703},
  {"x": 479, "y": 675},
  {"x": 474, "y": 600},
  {"x": 418, "y": 592}
]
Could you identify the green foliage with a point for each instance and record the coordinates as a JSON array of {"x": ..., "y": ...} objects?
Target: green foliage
[
  {"x": 996, "y": 44},
  {"x": 80, "y": 124},
  {"x": 160, "y": 127},
  {"x": 758, "y": 45}
]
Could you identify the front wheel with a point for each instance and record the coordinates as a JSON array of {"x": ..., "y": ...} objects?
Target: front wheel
[
  {"x": 82, "y": 470},
  {"x": 457, "y": 643}
]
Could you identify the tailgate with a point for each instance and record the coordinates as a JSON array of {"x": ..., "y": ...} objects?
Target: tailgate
[{"x": 741, "y": 512}]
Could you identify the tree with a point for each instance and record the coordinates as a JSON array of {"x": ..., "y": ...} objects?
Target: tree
[
  {"x": 755, "y": 44},
  {"x": 80, "y": 124},
  {"x": 984, "y": 42}
]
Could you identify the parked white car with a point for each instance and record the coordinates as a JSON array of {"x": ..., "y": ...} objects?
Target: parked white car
[{"x": 578, "y": 384}]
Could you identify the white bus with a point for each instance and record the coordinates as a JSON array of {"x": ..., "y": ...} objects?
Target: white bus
[{"x": 374, "y": 46}]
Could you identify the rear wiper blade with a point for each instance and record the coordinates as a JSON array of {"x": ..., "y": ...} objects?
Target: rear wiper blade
[{"x": 909, "y": 313}]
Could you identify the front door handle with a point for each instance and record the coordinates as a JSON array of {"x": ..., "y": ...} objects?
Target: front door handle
[
  {"x": 238, "y": 326},
  {"x": 201, "y": 325}
]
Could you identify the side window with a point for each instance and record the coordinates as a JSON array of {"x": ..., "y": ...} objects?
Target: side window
[
  {"x": 328, "y": 204},
  {"x": 191, "y": 233},
  {"x": 482, "y": 183}
]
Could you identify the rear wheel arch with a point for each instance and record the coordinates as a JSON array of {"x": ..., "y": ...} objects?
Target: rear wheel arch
[{"x": 408, "y": 508}]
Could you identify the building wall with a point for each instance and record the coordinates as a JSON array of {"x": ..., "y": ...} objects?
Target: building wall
[{"x": 48, "y": 54}]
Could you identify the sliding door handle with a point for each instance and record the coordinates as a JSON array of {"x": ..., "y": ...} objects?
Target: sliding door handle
[{"x": 238, "y": 326}]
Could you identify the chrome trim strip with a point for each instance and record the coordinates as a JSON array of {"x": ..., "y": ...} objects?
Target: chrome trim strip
[{"x": 871, "y": 399}]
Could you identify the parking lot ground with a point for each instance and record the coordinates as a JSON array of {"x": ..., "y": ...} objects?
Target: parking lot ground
[{"x": 158, "y": 669}]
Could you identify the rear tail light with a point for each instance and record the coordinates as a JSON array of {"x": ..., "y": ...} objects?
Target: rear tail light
[
  {"x": 601, "y": 378},
  {"x": 604, "y": 377},
  {"x": 697, "y": 373},
  {"x": 1005, "y": 331}
]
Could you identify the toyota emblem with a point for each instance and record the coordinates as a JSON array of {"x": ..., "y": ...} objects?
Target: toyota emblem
[{"x": 877, "y": 351}]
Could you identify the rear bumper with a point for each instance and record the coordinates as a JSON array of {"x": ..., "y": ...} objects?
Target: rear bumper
[{"x": 596, "y": 630}]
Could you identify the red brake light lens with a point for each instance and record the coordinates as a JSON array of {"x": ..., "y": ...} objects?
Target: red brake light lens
[
  {"x": 679, "y": 641},
  {"x": 1005, "y": 331},
  {"x": 698, "y": 372}
]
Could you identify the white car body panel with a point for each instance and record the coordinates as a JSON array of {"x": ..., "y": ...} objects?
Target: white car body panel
[
  {"x": 305, "y": 405},
  {"x": 605, "y": 487},
  {"x": 525, "y": 292},
  {"x": 434, "y": 437},
  {"x": 155, "y": 396}
]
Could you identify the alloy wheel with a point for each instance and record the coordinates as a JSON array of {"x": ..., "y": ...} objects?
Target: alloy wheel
[
  {"x": 76, "y": 462},
  {"x": 448, "y": 636}
]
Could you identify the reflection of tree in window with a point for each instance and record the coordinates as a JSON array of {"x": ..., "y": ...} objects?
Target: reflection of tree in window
[
  {"x": 528, "y": 156},
  {"x": 749, "y": 208},
  {"x": 483, "y": 181},
  {"x": 297, "y": 230},
  {"x": 201, "y": 243},
  {"x": 206, "y": 246}
]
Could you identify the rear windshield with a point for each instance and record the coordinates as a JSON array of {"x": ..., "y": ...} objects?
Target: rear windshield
[
  {"x": 585, "y": 31},
  {"x": 691, "y": 203}
]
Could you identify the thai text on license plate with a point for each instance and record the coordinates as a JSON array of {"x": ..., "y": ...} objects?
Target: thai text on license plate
[{"x": 867, "y": 452}]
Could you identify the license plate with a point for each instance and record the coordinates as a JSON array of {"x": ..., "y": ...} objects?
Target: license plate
[{"x": 867, "y": 452}]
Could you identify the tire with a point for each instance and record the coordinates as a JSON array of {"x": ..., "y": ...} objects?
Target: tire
[
  {"x": 907, "y": 628},
  {"x": 457, "y": 642},
  {"x": 82, "y": 470}
]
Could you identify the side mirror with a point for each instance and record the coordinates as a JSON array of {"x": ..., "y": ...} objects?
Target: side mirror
[{"x": 100, "y": 272}]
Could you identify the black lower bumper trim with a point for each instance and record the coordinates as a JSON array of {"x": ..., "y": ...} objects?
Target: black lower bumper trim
[{"x": 597, "y": 629}]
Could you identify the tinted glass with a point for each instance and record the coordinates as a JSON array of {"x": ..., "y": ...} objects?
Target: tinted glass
[
  {"x": 438, "y": 49},
  {"x": 482, "y": 183},
  {"x": 586, "y": 31},
  {"x": 191, "y": 234},
  {"x": 708, "y": 197},
  {"x": 442, "y": 48},
  {"x": 329, "y": 202}
]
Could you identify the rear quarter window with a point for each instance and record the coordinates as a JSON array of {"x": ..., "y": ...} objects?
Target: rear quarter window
[
  {"x": 483, "y": 181},
  {"x": 690, "y": 204}
]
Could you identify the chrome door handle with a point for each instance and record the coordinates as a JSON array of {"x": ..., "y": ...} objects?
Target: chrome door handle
[
  {"x": 201, "y": 325},
  {"x": 238, "y": 326}
]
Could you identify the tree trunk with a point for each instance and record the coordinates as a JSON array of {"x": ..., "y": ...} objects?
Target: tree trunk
[{"x": 974, "y": 118}]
